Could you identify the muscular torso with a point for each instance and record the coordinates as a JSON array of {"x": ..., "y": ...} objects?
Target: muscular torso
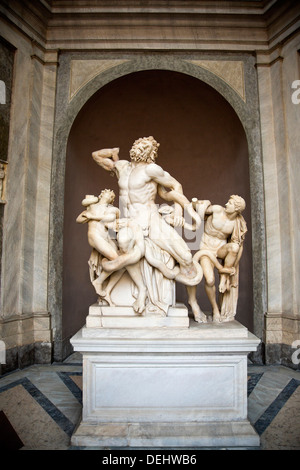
[
  {"x": 220, "y": 225},
  {"x": 138, "y": 186},
  {"x": 218, "y": 228},
  {"x": 137, "y": 191}
]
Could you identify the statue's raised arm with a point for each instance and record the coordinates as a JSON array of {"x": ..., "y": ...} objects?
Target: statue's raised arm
[{"x": 106, "y": 158}]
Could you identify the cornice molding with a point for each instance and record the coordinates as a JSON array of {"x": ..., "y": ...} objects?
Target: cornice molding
[{"x": 253, "y": 25}]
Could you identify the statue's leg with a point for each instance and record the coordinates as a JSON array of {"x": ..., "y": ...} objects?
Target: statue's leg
[
  {"x": 104, "y": 247},
  {"x": 166, "y": 237},
  {"x": 159, "y": 264},
  {"x": 98, "y": 283},
  {"x": 135, "y": 273},
  {"x": 210, "y": 289},
  {"x": 229, "y": 253},
  {"x": 122, "y": 261},
  {"x": 199, "y": 316},
  {"x": 113, "y": 280}
]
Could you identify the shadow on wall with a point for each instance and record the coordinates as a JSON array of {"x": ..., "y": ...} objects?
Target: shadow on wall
[{"x": 202, "y": 144}]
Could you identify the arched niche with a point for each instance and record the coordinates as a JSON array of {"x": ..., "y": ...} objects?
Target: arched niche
[{"x": 177, "y": 143}]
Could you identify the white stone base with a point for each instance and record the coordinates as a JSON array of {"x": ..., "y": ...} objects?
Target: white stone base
[
  {"x": 165, "y": 387},
  {"x": 166, "y": 435},
  {"x": 103, "y": 316}
]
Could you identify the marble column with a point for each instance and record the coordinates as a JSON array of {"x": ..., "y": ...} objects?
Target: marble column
[
  {"x": 280, "y": 141},
  {"x": 25, "y": 321}
]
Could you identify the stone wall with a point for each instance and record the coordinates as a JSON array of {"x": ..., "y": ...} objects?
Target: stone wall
[
  {"x": 63, "y": 54},
  {"x": 25, "y": 319},
  {"x": 280, "y": 120}
]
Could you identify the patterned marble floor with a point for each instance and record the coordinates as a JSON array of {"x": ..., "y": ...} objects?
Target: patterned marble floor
[{"x": 41, "y": 405}]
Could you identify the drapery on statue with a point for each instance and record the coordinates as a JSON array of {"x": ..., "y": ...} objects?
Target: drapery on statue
[
  {"x": 147, "y": 244},
  {"x": 223, "y": 238}
]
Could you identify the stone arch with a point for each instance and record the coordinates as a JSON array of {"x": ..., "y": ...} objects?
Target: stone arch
[{"x": 246, "y": 109}]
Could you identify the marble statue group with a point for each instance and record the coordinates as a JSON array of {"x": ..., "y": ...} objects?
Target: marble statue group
[{"x": 142, "y": 239}]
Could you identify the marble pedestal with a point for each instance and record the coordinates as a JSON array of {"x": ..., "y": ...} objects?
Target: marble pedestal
[
  {"x": 165, "y": 387},
  {"x": 103, "y": 316}
]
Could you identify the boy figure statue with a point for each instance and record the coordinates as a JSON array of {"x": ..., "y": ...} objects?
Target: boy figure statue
[{"x": 223, "y": 237}]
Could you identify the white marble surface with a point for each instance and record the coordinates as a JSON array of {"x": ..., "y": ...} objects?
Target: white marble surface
[
  {"x": 163, "y": 388},
  {"x": 124, "y": 317},
  {"x": 165, "y": 381},
  {"x": 223, "y": 332},
  {"x": 168, "y": 435}
]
